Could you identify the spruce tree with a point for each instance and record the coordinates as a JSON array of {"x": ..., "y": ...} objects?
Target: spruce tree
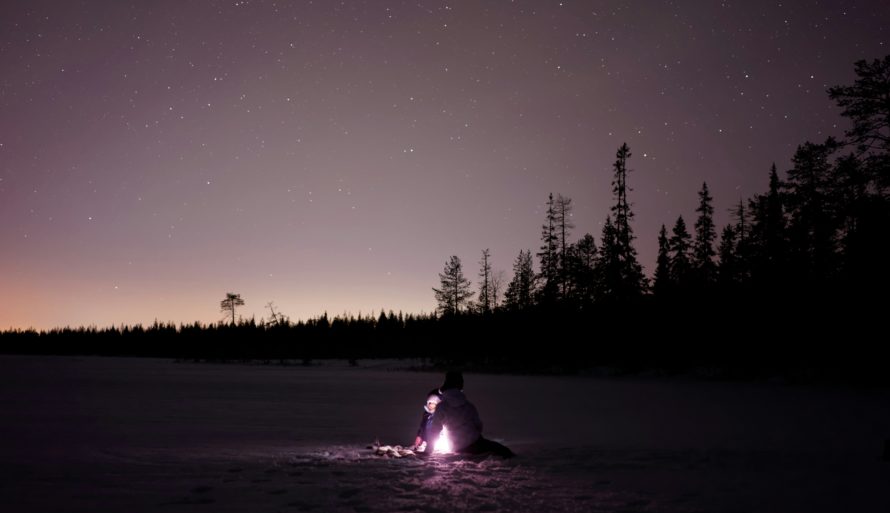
[
  {"x": 485, "y": 292},
  {"x": 813, "y": 216},
  {"x": 630, "y": 280},
  {"x": 744, "y": 248},
  {"x": 768, "y": 236},
  {"x": 662, "y": 284},
  {"x": 705, "y": 235},
  {"x": 548, "y": 256},
  {"x": 454, "y": 294},
  {"x": 608, "y": 265},
  {"x": 727, "y": 268},
  {"x": 520, "y": 290},
  {"x": 681, "y": 265},
  {"x": 563, "y": 211},
  {"x": 582, "y": 258}
]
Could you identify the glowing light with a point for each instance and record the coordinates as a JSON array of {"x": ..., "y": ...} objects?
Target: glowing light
[{"x": 443, "y": 444}]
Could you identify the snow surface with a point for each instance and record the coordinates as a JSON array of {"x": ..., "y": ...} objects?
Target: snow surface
[{"x": 111, "y": 434}]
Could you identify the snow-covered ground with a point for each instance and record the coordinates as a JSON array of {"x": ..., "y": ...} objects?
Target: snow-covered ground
[{"x": 109, "y": 434}]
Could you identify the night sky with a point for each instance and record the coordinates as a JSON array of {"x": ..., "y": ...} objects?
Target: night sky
[{"x": 331, "y": 156}]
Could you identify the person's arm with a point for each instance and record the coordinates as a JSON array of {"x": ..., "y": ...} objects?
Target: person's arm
[
  {"x": 420, "y": 430},
  {"x": 423, "y": 418}
]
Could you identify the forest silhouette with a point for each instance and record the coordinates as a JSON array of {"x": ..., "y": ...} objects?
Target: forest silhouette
[{"x": 792, "y": 287}]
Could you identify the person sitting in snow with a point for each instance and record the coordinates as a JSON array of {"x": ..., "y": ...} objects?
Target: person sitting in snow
[
  {"x": 461, "y": 418},
  {"x": 423, "y": 439}
]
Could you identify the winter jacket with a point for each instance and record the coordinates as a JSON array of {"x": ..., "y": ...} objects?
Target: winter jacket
[
  {"x": 423, "y": 431},
  {"x": 460, "y": 417}
]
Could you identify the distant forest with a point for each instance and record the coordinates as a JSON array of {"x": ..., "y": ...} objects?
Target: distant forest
[{"x": 793, "y": 287}]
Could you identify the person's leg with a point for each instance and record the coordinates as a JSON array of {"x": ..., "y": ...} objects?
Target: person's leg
[
  {"x": 499, "y": 449},
  {"x": 486, "y": 446}
]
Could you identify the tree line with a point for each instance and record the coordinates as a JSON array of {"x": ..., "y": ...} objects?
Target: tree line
[
  {"x": 818, "y": 232},
  {"x": 798, "y": 263}
]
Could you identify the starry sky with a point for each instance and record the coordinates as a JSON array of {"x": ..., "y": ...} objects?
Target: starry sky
[{"x": 331, "y": 156}]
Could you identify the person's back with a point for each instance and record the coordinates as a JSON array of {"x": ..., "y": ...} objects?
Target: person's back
[{"x": 460, "y": 417}]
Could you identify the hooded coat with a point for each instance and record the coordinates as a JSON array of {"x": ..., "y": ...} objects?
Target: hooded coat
[
  {"x": 460, "y": 417},
  {"x": 426, "y": 419}
]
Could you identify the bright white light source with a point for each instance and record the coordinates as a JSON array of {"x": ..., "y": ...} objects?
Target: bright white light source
[{"x": 443, "y": 444}]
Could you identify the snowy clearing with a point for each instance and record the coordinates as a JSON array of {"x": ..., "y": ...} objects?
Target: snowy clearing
[{"x": 90, "y": 434}]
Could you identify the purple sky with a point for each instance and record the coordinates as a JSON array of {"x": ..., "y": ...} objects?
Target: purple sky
[{"x": 331, "y": 156}]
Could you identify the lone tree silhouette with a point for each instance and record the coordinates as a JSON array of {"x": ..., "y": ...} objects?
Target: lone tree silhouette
[
  {"x": 230, "y": 302},
  {"x": 622, "y": 275},
  {"x": 485, "y": 286},
  {"x": 549, "y": 256},
  {"x": 703, "y": 253},
  {"x": 455, "y": 292}
]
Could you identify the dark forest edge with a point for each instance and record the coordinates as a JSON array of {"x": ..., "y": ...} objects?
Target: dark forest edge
[
  {"x": 795, "y": 288},
  {"x": 731, "y": 339}
]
